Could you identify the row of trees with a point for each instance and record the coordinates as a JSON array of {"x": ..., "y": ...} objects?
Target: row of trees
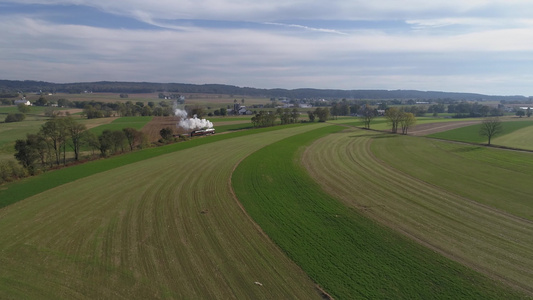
[
  {"x": 48, "y": 147},
  {"x": 397, "y": 118},
  {"x": 264, "y": 119},
  {"x": 126, "y": 109},
  {"x": 468, "y": 109},
  {"x": 287, "y": 116}
]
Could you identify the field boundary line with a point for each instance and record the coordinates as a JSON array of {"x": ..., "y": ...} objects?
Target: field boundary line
[{"x": 260, "y": 230}]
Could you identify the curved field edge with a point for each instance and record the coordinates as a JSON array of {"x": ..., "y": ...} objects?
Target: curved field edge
[
  {"x": 356, "y": 167},
  {"x": 13, "y": 192},
  {"x": 347, "y": 254},
  {"x": 165, "y": 227}
]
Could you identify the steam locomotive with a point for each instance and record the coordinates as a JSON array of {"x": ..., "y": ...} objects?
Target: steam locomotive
[{"x": 207, "y": 131}]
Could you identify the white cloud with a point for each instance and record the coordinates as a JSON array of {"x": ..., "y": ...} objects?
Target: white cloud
[
  {"x": 275, "y": 10},
  {"x": 450, "y": 42}
]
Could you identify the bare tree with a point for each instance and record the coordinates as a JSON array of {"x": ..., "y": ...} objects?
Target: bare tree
[
  {"x": 367, "y": 114},
  {"x": 490, "y": 127}
]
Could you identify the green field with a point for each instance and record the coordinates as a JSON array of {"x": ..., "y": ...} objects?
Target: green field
[
  {"x": 358, "y": 213},
  {"x": 121, "y": 123},
  {"x": 470, "y": 134},
  {"x": 380, "y": 123},
  {"x": 349, "y": 255},
  {"x": 166, "y": 227},
  {"x": 468, "y": 204},
  {"x": 10, "y": 132},
  {"x": 521, "y": 138}
]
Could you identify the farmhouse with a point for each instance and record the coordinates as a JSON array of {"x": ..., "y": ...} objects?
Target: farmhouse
[
  {"x": 243, "y": 111},
  {"x": 23, "y": 101}
]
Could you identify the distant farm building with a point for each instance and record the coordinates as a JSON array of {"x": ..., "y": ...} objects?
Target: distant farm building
[
  {"x": 22, "y": 101},
  {"x": 244, "y": 111}
]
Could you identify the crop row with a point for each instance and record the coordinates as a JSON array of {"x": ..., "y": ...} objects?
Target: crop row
[
  {"x": 429, "y": 195},
  {"x": 160, "y": 223}
]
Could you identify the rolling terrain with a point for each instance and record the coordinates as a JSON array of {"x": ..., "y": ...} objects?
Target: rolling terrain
[
  {"x": 288, "y": 212},
  {"x": 165, "y": 227},
  {"x": 470, "y": 210}
]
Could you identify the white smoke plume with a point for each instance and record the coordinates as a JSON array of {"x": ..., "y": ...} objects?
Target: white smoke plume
[
  {"x": 191, "y": 123},
  {"x": 178, "y": 112}
]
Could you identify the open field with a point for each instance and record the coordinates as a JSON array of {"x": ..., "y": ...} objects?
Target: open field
[
  {"x": 15, "y": 191},
  {"x": 470, "y": 134},
  {"x": 348, "y": 254},
  {"x": 152, "y": 128},
  {"x": 10, "y": 132},
  {"x": 520, "y": 138},
  {"x": 422, "y": 129},
  {"x": 474, "y": 211},
  {"x": 422, "y": 123},
  {"x": 164, "y": 223},
  {"x": 166, "y": 227},
  {"x": 477, "y": 173},
  {"x": 120, "y": 123}
]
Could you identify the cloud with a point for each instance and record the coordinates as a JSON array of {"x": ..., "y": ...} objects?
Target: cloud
[
  {"x": 306, "y": 28},
  {"x": 275, "y": 10},
  {"x": 443, "y": 45}
]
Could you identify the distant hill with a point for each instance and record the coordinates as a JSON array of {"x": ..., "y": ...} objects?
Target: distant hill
[{"x": 28, "y": 86}]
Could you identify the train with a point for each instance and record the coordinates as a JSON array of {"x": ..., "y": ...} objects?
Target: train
[{"x": 207, "y": 131}]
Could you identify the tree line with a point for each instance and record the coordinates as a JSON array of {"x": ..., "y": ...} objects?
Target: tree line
[
  {"x": 11, "y": 86},
  {"x": 48, "y": 147},
  {"x": 288, "y": 116}
]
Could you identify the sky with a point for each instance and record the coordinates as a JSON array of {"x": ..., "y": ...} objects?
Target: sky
[{"x": 453, "y": 45}]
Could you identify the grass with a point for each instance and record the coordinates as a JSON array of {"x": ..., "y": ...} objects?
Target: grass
[
  {"x": 470, "y": 134},
  {"x": 233, "y": 127},
  {"x": 469, "y": 210},
  {"x": 346, "y": 253},
  {"x": 519, "y": 138},
  {"x": 229, "y": 119},
  {"x": 16, "y": 191},
  {"x": 124, "y": 122},
  {"x": 10, "y": 132},
  {"x": 478, "y": 173},
  {"x": 160, "y": 227}
]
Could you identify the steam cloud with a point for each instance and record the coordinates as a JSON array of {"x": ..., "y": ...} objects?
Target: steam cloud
[{"x": 191, "y": 123}]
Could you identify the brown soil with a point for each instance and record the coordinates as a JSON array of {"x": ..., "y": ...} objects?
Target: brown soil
[
  {"x": 222, "y": 123},
  {"x": 153, "y": 127},
  {"x": 430, "y": 128}
]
